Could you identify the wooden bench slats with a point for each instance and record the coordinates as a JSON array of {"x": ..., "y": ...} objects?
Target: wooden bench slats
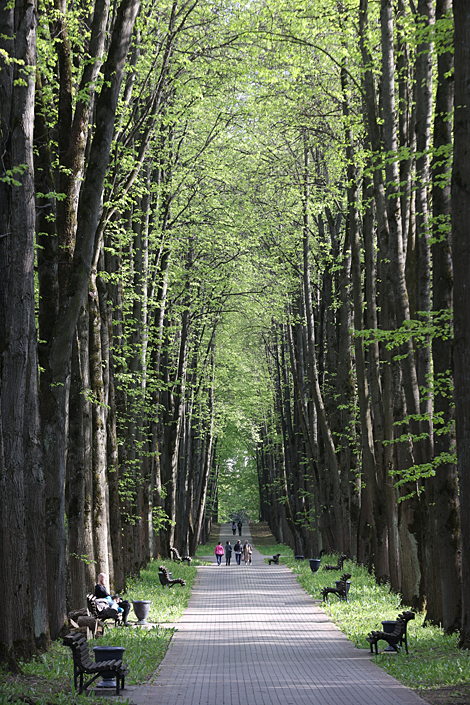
[
  {"x": 83, "y": 665},
  {"x": 395, "y": 639},
  {"x": 177, "y": 557},
  {"x": 340, "y": 592},
  {"x": 107, "y": 613},
  {"x": 165, "y": 579}
]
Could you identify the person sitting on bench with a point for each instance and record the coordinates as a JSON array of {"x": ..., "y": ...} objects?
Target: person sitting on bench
[{"x": 102, "y": 593}]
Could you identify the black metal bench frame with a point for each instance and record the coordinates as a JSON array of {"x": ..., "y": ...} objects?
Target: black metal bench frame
[
  {"x": 176, "y": 556},
  {"x": 395, "y": 639},
  {"x": 83, "y": 665},
  {"x": 164, "y": 576},
  {"x": 103, "y": 614},
  {"x": 340, "y": 592},
  {"x": 274, "y": 559}
]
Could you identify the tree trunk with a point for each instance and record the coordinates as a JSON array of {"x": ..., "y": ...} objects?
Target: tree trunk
[
  {"x": 315, "y": 391},
  {"x": 100, "y": 485},
  {"x": 396, "y": 253},
  {"x": 379, "y": 550},
  {"x": 55, "y": 388},
  {"x": 445, "y": 512},
  {"x": 461, "y": 266},
  {"x": 22, "y": 564},
  {"x": 75, "y": 491}
]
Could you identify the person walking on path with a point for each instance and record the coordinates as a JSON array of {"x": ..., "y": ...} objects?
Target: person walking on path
[
  {"x": 238, "y": 552},
  {"x": 228, "y": 553},
  {"x": 239, "y": 527},
  {"x": 219, "y": 552},
  {"x": 234, "y": 528},
  {"x": 247, "y": 552}
]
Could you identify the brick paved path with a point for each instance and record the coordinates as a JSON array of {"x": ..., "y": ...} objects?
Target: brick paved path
[{"x": 252, "y": 636}]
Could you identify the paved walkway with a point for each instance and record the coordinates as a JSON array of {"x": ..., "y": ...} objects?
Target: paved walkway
[{"x": 252, "y": 636}]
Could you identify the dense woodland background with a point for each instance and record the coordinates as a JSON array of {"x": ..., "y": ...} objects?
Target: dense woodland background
[{"x": 234, "y": 251}]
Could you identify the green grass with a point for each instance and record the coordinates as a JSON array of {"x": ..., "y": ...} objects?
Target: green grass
[
  {"x": 271, "y": 549},
  {"x": 48, "y": 679},
  {"x": 206, "y": 549},
  {"x": 434, "y": 659}
]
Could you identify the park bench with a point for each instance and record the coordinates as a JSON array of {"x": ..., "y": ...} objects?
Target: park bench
[
  {"x": 165, "y": 579},
  {"x": 83, "y": 665},
  {"x": 338, "y": 566},
  {"x": 175, "y": 554},
  {"x": 274, "y": 559},
  {"x": 341, "y": 591},
  {"x": 100, "y": 609},
  {"x": 397, "y": 638}
]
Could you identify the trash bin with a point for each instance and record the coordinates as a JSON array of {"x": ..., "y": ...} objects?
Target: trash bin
[
  {"x": 108, "y": 653},
  {"x": 141, "y": 609}
]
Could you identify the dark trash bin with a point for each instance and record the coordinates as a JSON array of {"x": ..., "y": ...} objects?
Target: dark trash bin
[
  {"x": 108, "y": 653},
  {"x": 389, "y": 627},
  {"x": 141, "y": 609},
  {"x": 161, "y": 577},
  {"x": 314, "y": 564},
  {"x": 348, "y": 585}
]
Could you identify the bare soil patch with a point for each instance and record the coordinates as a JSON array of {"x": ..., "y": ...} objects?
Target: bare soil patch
[{"x": 447, "y": 695}]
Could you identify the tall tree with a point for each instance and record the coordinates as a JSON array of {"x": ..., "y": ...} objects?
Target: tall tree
[
  {"x": 460, "y": 259},
  {"x": 22, "y": 561}
]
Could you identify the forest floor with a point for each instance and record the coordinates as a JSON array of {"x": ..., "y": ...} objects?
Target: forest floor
[
  {"x": 437, "y": 695},
  {"x": 447, "y": 695}
]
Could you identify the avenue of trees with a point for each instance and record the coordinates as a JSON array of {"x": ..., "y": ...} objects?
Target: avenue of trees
[{"x": 233, "y": 244}]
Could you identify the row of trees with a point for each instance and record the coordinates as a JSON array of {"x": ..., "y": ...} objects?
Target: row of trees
[
  {"x": 198, "y": 205},
  {"x": 358, "y": 449}
]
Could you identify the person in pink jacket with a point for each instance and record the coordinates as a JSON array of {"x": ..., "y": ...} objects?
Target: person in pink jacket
[{"x": 219, "y": 552}]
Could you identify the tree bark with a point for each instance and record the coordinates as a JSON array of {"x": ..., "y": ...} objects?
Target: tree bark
[
  {"x": 22, "y": 564},
  {"x": 445, "y": 512},
  {"x": 55, "y": 388},
  {"x": 461, "y": 265},
  {"x": 379, "y": 550},
  {"x": 410, "y": 531},
  {"x": 98, "y": 407}
]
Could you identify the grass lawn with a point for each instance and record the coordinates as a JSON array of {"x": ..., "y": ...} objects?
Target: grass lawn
[
  {"x": 434, "y": 668},
  {"x": 48, "y": 680}
]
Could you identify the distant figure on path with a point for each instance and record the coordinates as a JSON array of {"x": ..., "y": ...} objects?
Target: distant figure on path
[
  {"x": 228, "y": 553},
  {"x": 239, "y": 527},
  {"x": 238, "y": 552},
  {"x": 247, "y": 552},
  {"x": 219, "y": 552},
  {"x": 234, "y": 528}
]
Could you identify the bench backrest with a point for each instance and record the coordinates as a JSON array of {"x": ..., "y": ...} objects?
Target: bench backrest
[
  {"x": 166, "y": 573},
  {"x": 342, "y": 581},
  {"x": 100, "y": 610},
  {"x": 80, "y": 650}
]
